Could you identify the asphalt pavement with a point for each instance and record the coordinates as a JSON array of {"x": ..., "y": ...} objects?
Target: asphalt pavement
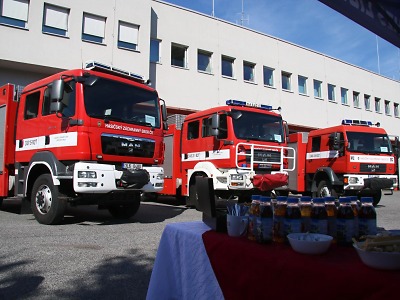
[{"x": 92, "y": 256}]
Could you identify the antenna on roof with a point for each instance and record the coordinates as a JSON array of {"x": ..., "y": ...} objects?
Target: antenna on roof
[{"x": 242, "y": 18}]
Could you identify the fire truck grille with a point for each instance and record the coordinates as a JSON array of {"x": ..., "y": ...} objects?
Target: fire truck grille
[
  {"x": 373, "y": 168},
  {"x": 265, "y": 156},
  {"x": 127, "y": 146}
]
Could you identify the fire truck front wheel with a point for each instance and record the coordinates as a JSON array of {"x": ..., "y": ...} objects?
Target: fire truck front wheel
[
  {"x": 46, "y": 205},
  {"x": 325, "y": 189}
]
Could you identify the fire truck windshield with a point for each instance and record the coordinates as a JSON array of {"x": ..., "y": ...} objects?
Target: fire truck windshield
[
  {"x": 117, "y": 101},
  {"x": 373, "y": 143},
  {"x": 258, "y": 126}
]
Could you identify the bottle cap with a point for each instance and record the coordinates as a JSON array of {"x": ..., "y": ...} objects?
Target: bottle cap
[
  {"x": 265, "y": 199},
  {"x": 292, "y": 200},
  {"x": 329, "y": 198},
  {"x": 367, "y": 199},
  {"x": 344, "y": 200},
  {"x": 318, "y": 200},
  {"x": 255, "y": 197},
  {"x": 305, "y": 198}
]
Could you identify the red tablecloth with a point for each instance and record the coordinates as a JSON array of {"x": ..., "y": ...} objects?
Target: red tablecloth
[{"x": 247, "y": 270}]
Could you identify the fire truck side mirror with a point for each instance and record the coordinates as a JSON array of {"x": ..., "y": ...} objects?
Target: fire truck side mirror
[
  {"x": 57, "y": 90},
  {"x": 215, "y": 125},
  {"x": 334, "y": 139},
  {"x": 164, "y": 114}
]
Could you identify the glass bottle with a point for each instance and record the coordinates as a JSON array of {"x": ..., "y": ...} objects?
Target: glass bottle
[
  {"x": 355, "y": 207},
  {"x": 305, "y": 209},
  {"x": 292, "y": 221},
  {"x": 319, "y": 216},
  {"x": 254, "y": 213},
  {"x": 265, "y": 221},
  {"x": 344, "y": 222},
  {"x": 367, "y": 217},
  {"x": 331, "y": 211},
  {"x": 279, "y": 217}
]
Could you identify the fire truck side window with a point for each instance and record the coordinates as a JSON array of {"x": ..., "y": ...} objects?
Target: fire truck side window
[
  {"x": 193, "y": 130},
  {"x": 206, "y": 127},
  {"x": 316, "y": 144},
  {"x": 31, "y": 106},
  {"x": 223, "y": 127}
]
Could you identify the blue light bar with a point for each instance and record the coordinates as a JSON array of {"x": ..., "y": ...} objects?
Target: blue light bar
[
  {"x": 94, "y": 65},
  {"x": 247, "y": 104},
  {"x": 356, "y": 122}
]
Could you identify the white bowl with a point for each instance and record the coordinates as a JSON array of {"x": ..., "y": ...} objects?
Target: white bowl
[
  {"x": 379, "y": 260},
  {"x": 310, "y": 243}
]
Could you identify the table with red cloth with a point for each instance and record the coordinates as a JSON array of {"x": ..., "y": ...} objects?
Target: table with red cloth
[{"x": 247, "y": 270}]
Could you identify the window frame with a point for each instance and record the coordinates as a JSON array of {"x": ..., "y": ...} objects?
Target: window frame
[
  {"x": 124, "y": 43},
  {"x": 249, "y": 71},
  {"x": 205, "y": 54},
  {"x": 377, "y": 105},
  {"x": 228, "y": 60},
  {"x": 152, "y": 53},
  {"x": 286, "y": 78},
  {"x": 387, "y": 108},
  {"x": 174, "y": 59},
  {"x": 53, "y": 29},
  {"x": 304, "y": 85},
  {"x": 13, "y": 17},
  {"x": 367, "y": 102},
  {"x": 317, "y": 88},
  {"x": 356, "y": 99},
  {"x": 344, "y": 96},
  {"x": 268, "y": 81},
  {"x": 331, "y": 92},
  {"x": 93, "y": 37}
]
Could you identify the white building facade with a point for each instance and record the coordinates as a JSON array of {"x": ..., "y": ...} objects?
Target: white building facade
[{"x": 195, "y": 61}]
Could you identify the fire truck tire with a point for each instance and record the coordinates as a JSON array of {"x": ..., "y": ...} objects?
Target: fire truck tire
[
  {"x": 325, "y": 189},
  {"x": 46, "y": 205},
  {"x": 124, "y": 211}
]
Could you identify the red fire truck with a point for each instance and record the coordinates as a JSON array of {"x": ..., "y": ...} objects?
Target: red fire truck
[
  {"x": 85, "y": 136},
  {"x": 242, "y": 146},
  {"x": 354, "y": 158}
]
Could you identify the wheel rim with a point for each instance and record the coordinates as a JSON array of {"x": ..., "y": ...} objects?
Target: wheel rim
[
  {"x": 325, "y": 192},
  {"x": 43, "y": 199}
]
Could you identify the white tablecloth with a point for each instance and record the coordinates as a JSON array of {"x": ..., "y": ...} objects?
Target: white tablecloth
[{"x": 182, "y": 269}]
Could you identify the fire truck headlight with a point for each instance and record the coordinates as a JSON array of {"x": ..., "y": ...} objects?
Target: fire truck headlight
[
  {"x": 87, "y": 174},
  {"x": 237, "y": 177},
  {"x": 353, "y": 180}
]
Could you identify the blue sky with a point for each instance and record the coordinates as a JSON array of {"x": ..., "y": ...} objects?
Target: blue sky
[{"x": 311, "y": 24}]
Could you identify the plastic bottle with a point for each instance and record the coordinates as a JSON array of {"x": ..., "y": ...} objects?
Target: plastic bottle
[
  {"x": 292, "y": 221},
  {"x": 319, "y": 216},
  {"x": 254, "y": 213},
  {"x": 331, "y": 211},
  {"x": 279, "y": 217},
  {"x": 344, "y": 222},
  {"x": 305, "y": 208},
  {"x": 367, "y": 217},
  {"x": 265, "y": 221},
  {"x": 355, "y": 207}
]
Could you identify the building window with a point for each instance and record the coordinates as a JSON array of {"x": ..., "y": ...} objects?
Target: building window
[
  {"x": 155, "y": 50},
  {"x": 317, "y": 89},
  {"x": 302, "y": 85},
  {"x": 93, "y": 28},
  {"x": 204, "y": 61},
  {"x": 248, "y": 71},
  {"x": 331, "y": 92},
  {"x": 179, "y": 55},
  {"x": 227, "y": 66},
  {"x": 387, "y": 107},
  {"x": 128, "y": 36},
  {"x": 343, "y": 96},
  {"x": 268, "y": 76},
  {"x": 396, "y": 110},
  {"x": 377, "y": 105},
  {"x": 367, "y": 102},
  {"x": 14, "y": 12},
  {"x": 356, "y": 99},
  {"x": 55, "y": 20},
  {"x": 286, "y": 84}
]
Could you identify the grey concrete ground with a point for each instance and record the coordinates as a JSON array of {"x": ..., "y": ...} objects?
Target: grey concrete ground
[{"x": 92, "y": 256}]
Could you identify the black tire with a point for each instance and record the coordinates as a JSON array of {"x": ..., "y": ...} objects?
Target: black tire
[
  {"x": 124, "y": 211},
  {"x": 325, "y": 189},
  {"x": 376, "y": 195},
  {"x": 46, "y": 205}
]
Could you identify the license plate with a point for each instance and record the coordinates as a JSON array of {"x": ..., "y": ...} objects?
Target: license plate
[{"x": 131, "y": 166}]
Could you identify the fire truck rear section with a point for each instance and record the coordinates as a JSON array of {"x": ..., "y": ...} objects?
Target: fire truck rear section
[
  {"x": 87, "y": 136},
  {"x": 242, "y": 147},
  {"x": 354, "y": 158}
]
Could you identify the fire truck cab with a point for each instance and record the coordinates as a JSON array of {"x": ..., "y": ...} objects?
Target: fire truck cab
[
  {"x": 233, "y": 144},
  {"x": 354, "y": 158},
  {"x": 85, "y": 136}
]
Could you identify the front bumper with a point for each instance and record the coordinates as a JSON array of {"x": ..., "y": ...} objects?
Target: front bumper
[
  {"x": 359, "y": 182},
  {"x": 104, "y": 178}
]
